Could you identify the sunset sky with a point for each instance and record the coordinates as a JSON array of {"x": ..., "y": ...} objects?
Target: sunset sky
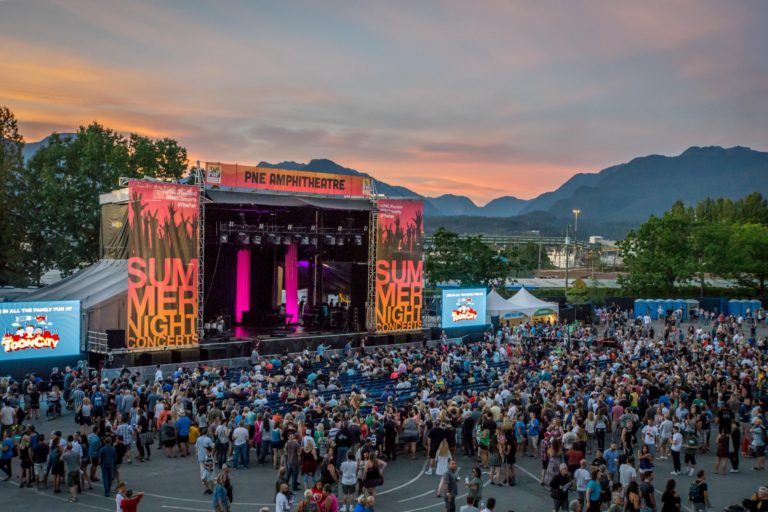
[{"x": 477, "y": 98}]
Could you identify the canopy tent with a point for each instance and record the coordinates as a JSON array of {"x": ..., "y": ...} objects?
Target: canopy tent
[
  {"x": 495, "y": 304},
  {"x": 101, "y": 289},
  {"x": 530, "y": 305}
]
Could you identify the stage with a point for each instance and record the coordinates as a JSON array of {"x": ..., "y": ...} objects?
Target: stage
[{"x": 252, "y": 257}]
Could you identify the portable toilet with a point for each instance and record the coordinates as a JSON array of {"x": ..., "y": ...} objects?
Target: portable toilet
[
  {"x": 669, "y": 305},
  {"x": 734, "y": 307},
  {"x": 640, "y": 307},
  {"x": 691, "y": 305},
  {"x": 754, "y": 306},
  {"x": 650, "y": 307},
  {"x": 682, "y": 306}
]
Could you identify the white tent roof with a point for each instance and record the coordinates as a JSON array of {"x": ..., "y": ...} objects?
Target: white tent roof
[
  {"x": 527, "y": 304},
  {"x": 495, "y": 304}
]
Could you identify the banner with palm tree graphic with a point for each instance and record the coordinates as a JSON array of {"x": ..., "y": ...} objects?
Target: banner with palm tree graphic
[
  {"x": 399, "y": 265},
  {"x": 163, "y": 265}
]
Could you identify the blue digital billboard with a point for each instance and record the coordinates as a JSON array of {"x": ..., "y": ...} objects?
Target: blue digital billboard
[
  {"x": 39, "y": 329},
  {"x": 463, "y": 307}
]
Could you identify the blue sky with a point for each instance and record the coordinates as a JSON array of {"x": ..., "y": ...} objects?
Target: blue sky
[{"x": 475, "y": 98}]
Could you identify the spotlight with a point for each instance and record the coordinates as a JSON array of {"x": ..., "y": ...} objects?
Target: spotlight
[
  {"x": 358, "y": 240},
  {"x": 340, "y": 241},
  {"x": 223, "y": 238},
  {"x": 290, "y": 227},
  {"x": 339, "y": 229},
  {"x": 256, "y": 240},
  {"x": 231, "y": 223},
  {"x": 273, "y": 239},
  {"x": 286, "y": 240},
  {"x": 313, "y": 240},
  {"x": 261, "y": 226},
  {"x": 313, "y": 228},
  {"x": 244, "y": 238},
  {"x": 330, "y": 240},
  {"x": 305, "y": 240}
]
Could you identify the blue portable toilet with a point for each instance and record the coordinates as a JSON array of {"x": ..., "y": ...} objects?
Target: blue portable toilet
[
  {"x": 734, "y": 307},
  {"x": 754, "y": 306},
  {"x": 682, "y": 306},
  {"x": 650, "y": 308},
  {"x": 640, "y": 307},
  {"x": 669, "y": 304}
]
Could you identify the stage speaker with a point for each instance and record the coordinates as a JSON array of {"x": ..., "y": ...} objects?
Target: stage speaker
[
  {"x": 144, "y": 359},
  {"x": 184, "y": 355},
  {"x": 115, "y": 338},
  {"x": 398, "y": 339}
]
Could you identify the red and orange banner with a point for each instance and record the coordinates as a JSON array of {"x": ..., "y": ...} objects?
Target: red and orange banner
[
  {"x": 283, "y": 180},
  {"x": 163, "y": 265},
  {"x": 399, "y": 265}
]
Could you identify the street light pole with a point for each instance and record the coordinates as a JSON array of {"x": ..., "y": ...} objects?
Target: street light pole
[{"x": 576, "y": 213}]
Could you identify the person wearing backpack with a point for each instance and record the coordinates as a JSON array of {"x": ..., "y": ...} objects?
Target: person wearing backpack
[
  {"x": 168, "y": 435},
  {"x": 698, "y": 493}
]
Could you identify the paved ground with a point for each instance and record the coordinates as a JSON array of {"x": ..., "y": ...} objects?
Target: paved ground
[{"x": 172, "y": 484}]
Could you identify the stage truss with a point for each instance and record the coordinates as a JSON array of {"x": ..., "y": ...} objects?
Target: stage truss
[
  {"x": 200, "y": 183},
  {"x": 370, "y": 304}
]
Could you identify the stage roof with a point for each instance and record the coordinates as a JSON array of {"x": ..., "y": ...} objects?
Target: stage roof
[
  {"x": 236, "y": 197},
  {"x": 92, "y": 286}
]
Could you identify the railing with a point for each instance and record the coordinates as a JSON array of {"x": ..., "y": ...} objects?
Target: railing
[
  {"x": 148, "y": 372},
  {"x": 97, "y": 342}
]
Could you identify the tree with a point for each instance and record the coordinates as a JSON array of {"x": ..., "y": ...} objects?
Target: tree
[
  {"x": 464, "y": 260},
  {"x": 657, "y": 254},
  {"x": 63, "y": 182},
  {"x": 11, "y": 162},
  {"x": 749, "y": 248}
]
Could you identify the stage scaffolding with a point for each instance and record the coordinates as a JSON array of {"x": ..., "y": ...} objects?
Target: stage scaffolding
[
  {"x": 373, "y": 236},
  {"x": 200, "y": 183}
]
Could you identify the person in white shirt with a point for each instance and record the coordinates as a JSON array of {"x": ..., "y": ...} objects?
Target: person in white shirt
[
  {"x": 159, "y": 374},
  {"x": 649, "y": 436},
  {"x": 582, "y": 477},
  {"x": 627, "y": 472},
  {"x": 676, "y": 448},
  {"x": 348, "y": 482},
  {"x": 282, "y": 503}
]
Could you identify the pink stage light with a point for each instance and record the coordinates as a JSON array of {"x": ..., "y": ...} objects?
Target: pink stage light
[
  {"x": 291, "y": 284},
  {"x": 243, "y": 289}
]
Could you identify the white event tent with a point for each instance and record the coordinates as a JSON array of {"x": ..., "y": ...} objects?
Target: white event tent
[{"x": 524, "y": 303}]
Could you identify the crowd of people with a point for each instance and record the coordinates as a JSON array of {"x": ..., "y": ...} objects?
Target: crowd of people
[{"x": 597, "y": 404}]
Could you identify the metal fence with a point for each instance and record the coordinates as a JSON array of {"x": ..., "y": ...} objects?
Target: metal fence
[{"x": 148, "y": 372}]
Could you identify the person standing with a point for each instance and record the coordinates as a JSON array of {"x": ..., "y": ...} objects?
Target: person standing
[
  {"x": 559, "y": 486},
  {"x": 241, "y": 447},
  {"x": 221, "y": 501},
  {"x": 675, "y": 448},
  {"x": 292, "y": 449},
  {"x": 107, "y": 458},
  {"x": 71, "y": 460},
  {"x": 733, "y": 453},
  {"x": 594, "y": 493},
  {"x": 282, "y": 500},
  {"x": 451, "y": 487},
  {"x": 698, "y": 493},
  {"x": 647, "y": 493},
  {"x": 183, "y": 425},
  {"x": 6, "y": 456}
]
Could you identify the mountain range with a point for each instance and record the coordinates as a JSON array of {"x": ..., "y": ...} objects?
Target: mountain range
[{"x": 611, "y": 201}]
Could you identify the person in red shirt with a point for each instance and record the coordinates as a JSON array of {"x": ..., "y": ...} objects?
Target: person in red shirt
[{"x": 131, "y": 501}]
